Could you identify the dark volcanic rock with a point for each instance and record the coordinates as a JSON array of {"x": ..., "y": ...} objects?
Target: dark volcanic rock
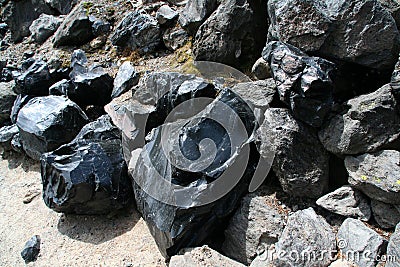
[
  {"x": 301, "y": 163},
  {"x": 126, "y": 78},
  {"x": 360, "y": 31},
  {"x": 386, "y": 215},
  {"x": 195, "y": 13},
  {"x": 166, "y": 15},
  {"x": 31, "y": 249},
  {"x": 393, "y": 6},
  {"x": 7, "y": 98},
  {"x": 16, "y": 144},
  {"x": 393, "y": 248},
  {"x": 100, "y": 27},
  {"x": 34, "y": 80},
  {"x": 261, "y": 69},
  {"x": 184, "y": 222},
  {"x": 62, "y": 6},
  {"x": 88, "y": 175},
  {"x": 45, "y": 123},
  {"x": 19, "y": 102},
  {"x": 44, "y": 27},
  {"x": 230, "y": 35},
  {"x": 137, "y": 30},
  {"x": 175, "y": 38},
  {"x": 20, "y": 14},
  {"x": 377, "y": 175},
  {"x": 75, "y": 30},
  {"x": 303, "y": 82},
  {"x": 6, "y": 135},
  {"x": 368, "y": 123},
  {"x": 62, "y": 87}
]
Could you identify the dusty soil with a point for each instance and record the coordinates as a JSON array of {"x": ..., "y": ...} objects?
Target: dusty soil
[{"x": 122, "y": 239}]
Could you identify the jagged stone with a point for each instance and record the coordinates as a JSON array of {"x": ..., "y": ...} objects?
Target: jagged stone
[
  {"x": 386, "y": 215},
  {"x": 16, "y": 143},
  {"x": 75, "y": 30},
  {"x": 393, "y": 6},
  {"x": 348, "y": 202},
  {"x": 175, "y": 38},
  {"x": 19, "y": 102},
  {"x": 393, "y": 248},
  {"x": 368, "y": 123},
  {"x": 261, "y": 69},
  {"x": 195, "y": 13},
  {"x": 33, "y": 80},
  {"x": 45, "y": 123},
  {"x": 62, "y": 87},
  {"x": 6, "y": 135},
  {"x": 303, "y": 82},
  {"x": 137, "y": 30},
  {"x": 354, "y": 237},
  {"x": 306, "y": 231},
  {"x": 31, "y": 249},
  {"x": 202, "y": 256},
  {"x": 257, "y": 223},
  {"x": 301, "y": 163},
  {"x": 166, "y": 15},
  {"x": 126, "y": 78},
  {"x": 88, "y": 175},
  {"x": 7, "y": 98},
  {"x": 377, "y": 175},
  {"x": 100, "y": 27},
  {"x": 44, "y": 27}
]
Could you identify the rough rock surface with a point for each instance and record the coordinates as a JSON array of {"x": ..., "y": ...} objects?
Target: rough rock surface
[
  {"x": 195, "y": 13},
  {"x": 166, "y": 15},
  {"x": 34, "y": 80},
  {"x": 261, "y": 69},
  {"x": 7, "y": 98},
  {"x": 348, "y": 202},
  {"x": 88, "y": 175},
  {"x": 303, "y": 82},
  {"x": 19, "y": 102},
  {"x": 361, "y": 31},
  {"x": 377, "y": 175},
  {"x": 62, "y": 87},
  {"x": 6, "y": 135},
  {"x": 126, "y": 78},
  {"x": 137, "y": 30},
  {"x": 31, "y": 249},
  {"x": 44, "y": 27},
  {"x": 301, "y": 163},
  {"x": 386, "y": 215},
  {"x": 75, "y": 30},
  {"x": 45, "y": 123},
  {"x": 202, "y": 256},
  {"x": 175, "y": 38},
  {"x": 354, "y": 237},
  {"x": 306, "y": 231},
  {"x": 62, "y": 6},
  {"x": 393, "y": 248},
  {"x": 368, "y": 123},
  {"x": 257, "y": 223}
]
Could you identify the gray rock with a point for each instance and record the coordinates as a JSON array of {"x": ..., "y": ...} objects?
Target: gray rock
[
  {"x": 395, "y": 84},
  {"x": 303, "y": 82},
  {"x": 75, "y": 30},
  {"x": 33, "y": 80},
  {"x": 7, "y": 98},
  {"x": 44, "y": 27},
  {"x": 393, "y": 6},
  {"x": 301, "y": 163},
  {"x": 386, "y": 215},
  {"x": 62, "y": 87},
  {"x": 348, "y": 202},
  {"x": 20, "y": 14},
  {"x": 195, "y": 13},
  {"x": 377, "y": 175},
  {"x": 31, "y": 249},
  {"x": 257, "y": 223},
  {"x": 202, "y": 256},
  {"x": 137, "y": 30},
  {"x": 360, "y": 31},
  {"x": 100, "y": 27},
  {"x": 166, "y": 15},
  {"x": 62, "y": 6},
  {"x": 306, "y": 231},
  {"x": 393, "y": 249},
  {"x": 368, "y": 123},
  {"x": 261, "y": 69},
  {"x": 359, "y": 244},
  {"x": 175, "y": 38},
  {"x": 45, "y": 123},
  {"x": 19, "y": 102},
  {"x": 6, "y": 135},
  {"x": 16, "y": 143},
  {"x": 126, "y": 78},
  {"x": 228, "y": 35}
]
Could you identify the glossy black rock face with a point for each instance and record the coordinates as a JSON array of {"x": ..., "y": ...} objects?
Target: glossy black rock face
[{"x": 88, "y": 175}]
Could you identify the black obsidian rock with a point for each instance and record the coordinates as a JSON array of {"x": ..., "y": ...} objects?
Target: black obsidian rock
[
  {"x": 304, "y": 83},
  {"x": 6, "y": 135},
  {"x": 31, "y": 249},
  {"x": 45, "y": 123},
  {"x": 19, "y": 102},
  {"x": 34, "y": 78},
  {"x": 88, "y": 175}
]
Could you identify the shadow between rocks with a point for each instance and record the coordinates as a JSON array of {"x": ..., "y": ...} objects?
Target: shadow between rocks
[
  {"x": 97, "y": 229},
  {"x": 16, "y": 160}
]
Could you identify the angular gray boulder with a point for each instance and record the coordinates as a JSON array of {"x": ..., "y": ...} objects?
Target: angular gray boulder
[
  {"x": 7, "y": 98},
  {"x": 368, "y": 123},
  {"x": 386, "y": 215},
  {"x": 166, "y": 15},
  {"x": 195, "y": 13},
  {"x": 175, "y": 38},
  {"x": 348, "y": 202},
  {"x": 306, "y": 232},
  {"x": 360, "y": 244},
  {"x": 126, "y": 78},
  {"x": 33, "y": 80},
  {"x": 393, "y": 249},
  {"x": 377, "y": 175},
  {"x": 44, "y": 27},
  {"x": 257, "y": 223},
  {"x": 301, "y": 163}
]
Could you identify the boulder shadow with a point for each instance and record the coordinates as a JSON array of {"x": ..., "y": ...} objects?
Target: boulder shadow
[
  {"x": 16, "y": 160},
  {"x": 98, "y": 229}
]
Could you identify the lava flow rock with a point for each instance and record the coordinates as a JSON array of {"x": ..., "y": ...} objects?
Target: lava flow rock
[
  {"x": 31, "y": 249},
  {"x": 33, "y": 80},
  {"x": 88, "y": 175},
  {"x": 45, "y": 123},
  {"x": 211, "y": 185},
  {"x": 303, "y": 82}
]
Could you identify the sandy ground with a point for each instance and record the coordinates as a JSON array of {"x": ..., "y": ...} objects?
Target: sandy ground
[{"x": 119, "y": 240}]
